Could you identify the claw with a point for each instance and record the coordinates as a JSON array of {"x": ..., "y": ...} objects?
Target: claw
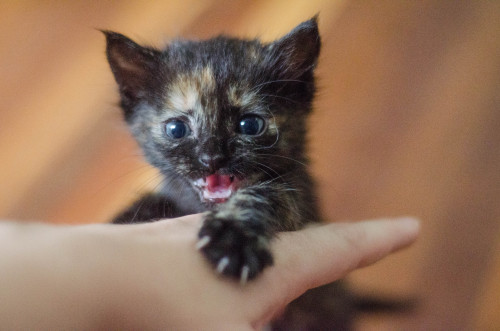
[
  {"x": 244, "y": 274},
  {"x": 202, "y": 242},
  {"x": 222, "y": 264}
]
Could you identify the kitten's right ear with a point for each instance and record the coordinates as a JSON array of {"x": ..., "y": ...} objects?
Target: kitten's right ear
[
  {"x": 298, "y": 51},
  {"x": 132, "y": 65}
]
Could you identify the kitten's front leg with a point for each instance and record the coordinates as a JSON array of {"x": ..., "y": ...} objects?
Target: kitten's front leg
[
  {"x": 235, "y": 237},
  {"x": 150, "y": 207}
]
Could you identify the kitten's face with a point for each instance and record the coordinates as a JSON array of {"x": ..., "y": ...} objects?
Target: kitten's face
[{"x": 222, "y": 113}]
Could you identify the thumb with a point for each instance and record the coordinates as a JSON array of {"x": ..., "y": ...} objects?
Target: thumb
[{"x": 319, "y": 255}]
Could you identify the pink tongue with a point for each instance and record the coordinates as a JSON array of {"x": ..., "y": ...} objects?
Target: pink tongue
[{"x": 218, "y": 182}]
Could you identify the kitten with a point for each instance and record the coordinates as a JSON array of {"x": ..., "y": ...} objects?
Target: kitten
[{"x": 224, "y": 120}]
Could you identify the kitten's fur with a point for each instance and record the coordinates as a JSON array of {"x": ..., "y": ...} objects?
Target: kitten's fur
[{"x": 212, "y": 86}]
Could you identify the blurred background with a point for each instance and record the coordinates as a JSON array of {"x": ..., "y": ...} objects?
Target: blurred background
[{"x": 407, "y": 122}]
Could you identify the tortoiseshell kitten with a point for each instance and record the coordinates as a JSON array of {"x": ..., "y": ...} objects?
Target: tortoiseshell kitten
[{"x": 224, "y": 120}]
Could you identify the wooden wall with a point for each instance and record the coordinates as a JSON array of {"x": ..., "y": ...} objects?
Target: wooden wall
[{"x": 407, "y": 122}]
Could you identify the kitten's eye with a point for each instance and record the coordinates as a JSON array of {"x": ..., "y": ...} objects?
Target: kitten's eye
[
  {"x": 177, "y": 129},
  {"x": 251, "y": 125}
]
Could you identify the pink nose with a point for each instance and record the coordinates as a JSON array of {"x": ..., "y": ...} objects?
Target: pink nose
[{"x": 212, "y": 162}]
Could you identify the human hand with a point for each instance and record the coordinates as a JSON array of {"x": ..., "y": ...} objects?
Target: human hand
[{"x": 149, "y": 276}]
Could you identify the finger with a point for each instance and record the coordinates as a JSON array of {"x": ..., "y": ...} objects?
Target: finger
[
  {"x": 180, "y": 226},
  {"x": 193, "y": 220},
  {"x": 320, "y": 255}
]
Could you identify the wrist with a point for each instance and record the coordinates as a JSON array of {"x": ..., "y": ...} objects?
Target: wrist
[{"x": 59, "y": 277}]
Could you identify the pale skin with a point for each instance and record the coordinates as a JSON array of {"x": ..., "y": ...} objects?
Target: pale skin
[{"x": 150, "y": 276}]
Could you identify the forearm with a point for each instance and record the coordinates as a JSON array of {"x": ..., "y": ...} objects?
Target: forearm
[{"x": 64, "y": 278}]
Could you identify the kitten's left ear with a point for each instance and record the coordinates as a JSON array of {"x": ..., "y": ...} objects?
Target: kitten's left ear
[{"x": 298, "y": 51}]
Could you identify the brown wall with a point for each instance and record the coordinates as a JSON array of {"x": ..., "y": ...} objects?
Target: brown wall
[{"x": 407, "y": 122}]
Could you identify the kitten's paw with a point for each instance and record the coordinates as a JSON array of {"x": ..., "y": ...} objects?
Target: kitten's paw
[{"x": 235, "y": 248}]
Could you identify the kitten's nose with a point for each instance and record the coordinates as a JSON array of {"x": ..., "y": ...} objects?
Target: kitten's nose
[{"x": 212, "y": 162}]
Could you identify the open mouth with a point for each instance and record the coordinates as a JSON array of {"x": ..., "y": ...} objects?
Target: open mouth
[{"x": 217, "y": 188}]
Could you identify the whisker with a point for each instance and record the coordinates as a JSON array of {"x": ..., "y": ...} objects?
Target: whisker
[
  {"x": 155, "y": 181},
  {"x": 261, "y": 167},
  {"x": 280, "y": 97},
  {"x": 284, "y": 157},
  {"x": 279, "y": 81}
]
